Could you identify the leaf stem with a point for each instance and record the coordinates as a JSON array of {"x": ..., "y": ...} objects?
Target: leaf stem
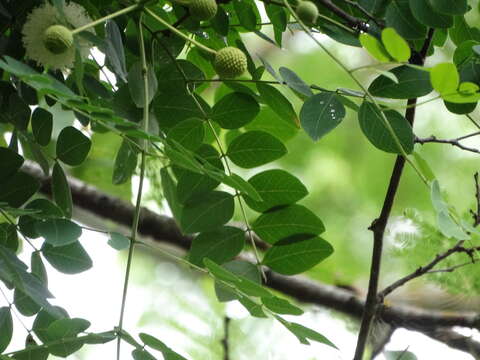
[
  {"x": 105, "y": 18},
  {"x": 179, "y": 33},
  {"x": 136, "y": 218}
]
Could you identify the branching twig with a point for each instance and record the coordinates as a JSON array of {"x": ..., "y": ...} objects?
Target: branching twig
[
  {"x": 476, "y": 214},
  {"x": 454, "y": 142},
  {"x": 422, "y": 270}
]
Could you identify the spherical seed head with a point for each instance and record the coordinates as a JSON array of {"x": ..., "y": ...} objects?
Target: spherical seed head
[
  {"x": 307, "y": 12},
  {"x": 230, "y": 62},
  {"x": 58, "y": 39},
  {"x": 203, "y": 9}
]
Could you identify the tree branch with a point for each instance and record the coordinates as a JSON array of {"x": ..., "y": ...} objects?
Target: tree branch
[
  {"x": 378, "y": 226},
  {"x": 454, "y": 142},
  {"x": 476, "y": 214},
  {"x": 164, "y": 229}
]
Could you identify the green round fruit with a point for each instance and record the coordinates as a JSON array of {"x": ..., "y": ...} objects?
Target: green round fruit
[
  {"x": 230, "y": 62},
  {"x": 203, "y": 9},
  {"x": 58, "y": 39},
  {"x": 307, "y": 12}
]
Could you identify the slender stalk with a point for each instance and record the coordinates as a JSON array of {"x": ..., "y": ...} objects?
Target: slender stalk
[
  {"x": 179, "y": 33},
  {"x": 136, "y": 218},
  {"x": 105, "y": 18}
]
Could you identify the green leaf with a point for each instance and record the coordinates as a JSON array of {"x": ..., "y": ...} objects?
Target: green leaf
[
  {"x": 118, "y": 241},
  {"x": 44, "y": 319},
  {"x": 293, "y": 81},
  {"x": 34, "y": 150},
  {"x": 373, "y": 126},
  {"x": 206, "y": 211},
  {"x": 61, "y": 190},
  {"x": 6, "y": 324},
  {"x": 38, "y": 268},
  {"x": 400, "y": 355},
  {"x": 268, "y": 121},
  {"x": 72, "y": 146},
  {"x": 278, "y": 103},
  {"x": 462, "y": 32},
  {"x": 192, "y": 183},
  {"x": 189, "y": 133},
  {"x": 445, "y": 78},
  {"x": 449, "y": 7},
  {"x": 412, "y": 83},
  {"x": 281, "y": 306},
  {"x": 45, "y": 209},
  {"x": 243, "y": 269},
  {"x": 374, "y": 47},
  {"x": 66, "y": 329},
  {"x": 170, "y": 110},
  {"x": 170, "y": 193},
  {"x": 136, "y": 84},
  {"x": 24, "y": 304},
  {"x": 400, "y": 17},
  {"x": 235, "y": 110},
  {"x": 396, "y": 46},
  {"x": 320, "y": 114},
  {"x": 425, "y": 14},
  {"x": 245, "y": 188},
  {"x": 305, "y": 333},
  {"x": 11, "y": 162},
  {"x": 17, "y": 189},
  {"x": 156, "y": 344},
  {"x": 138, "y": 354},
  {"x": 449, "y": 228},
  {"x": 219, "y": 272},
  {"x": 115, "y": 54},
  {"x": 255, "y": 148},
  {"x": 125, "y": 162},
  {"x": 59, "y": 232},
  {"x": 70, "y": 259},
  {"x": 246, "y": 14},
  {"x": 297, "y": 254},
  {"x": 253, "y": 308},
  {"x": 276, "y": 188},
  {"x": 285, "y": 222},
  {"x": 42, "y": 125},
  {"x": 219, "y": 245},
  {"x": 8, "y": 236}
]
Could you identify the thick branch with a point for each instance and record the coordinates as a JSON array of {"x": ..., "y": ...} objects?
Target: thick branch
[{"x": 164, "y": 229}]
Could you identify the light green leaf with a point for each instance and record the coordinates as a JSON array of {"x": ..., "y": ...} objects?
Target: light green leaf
[
  {"x": 281, "y": 306},
  {"x": 445, "y": 78},
  {"x": 396, "y": 46},
  {"x": 374, "y": 47},
  {"x": 278, "y": 103},
  {"x": 118, "y": 241}
]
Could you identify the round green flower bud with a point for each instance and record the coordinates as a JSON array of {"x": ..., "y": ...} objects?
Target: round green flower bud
[
  {"x": 230, "y": 62},
  {"x": 58, "y": 39},
  {"x": 307, "y": 12},
  {"x": 203, "y": 9}
]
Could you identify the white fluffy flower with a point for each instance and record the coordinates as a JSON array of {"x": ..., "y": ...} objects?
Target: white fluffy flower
[{"x": 39, "y": 20}]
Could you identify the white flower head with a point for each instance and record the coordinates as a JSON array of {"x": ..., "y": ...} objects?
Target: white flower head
[{"x": 34, "y": 32}]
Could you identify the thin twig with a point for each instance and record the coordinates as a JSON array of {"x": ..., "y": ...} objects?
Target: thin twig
[
  {"x": 454, "y": 142},
  {"x": 476, "y": 214},
  {"x": 422, "y": 270}
]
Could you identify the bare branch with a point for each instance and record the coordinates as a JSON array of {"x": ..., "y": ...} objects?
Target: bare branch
[{"x": 454, "y": 142}]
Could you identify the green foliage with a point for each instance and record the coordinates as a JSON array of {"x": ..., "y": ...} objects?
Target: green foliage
[{"x": 153, "y": 111}]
